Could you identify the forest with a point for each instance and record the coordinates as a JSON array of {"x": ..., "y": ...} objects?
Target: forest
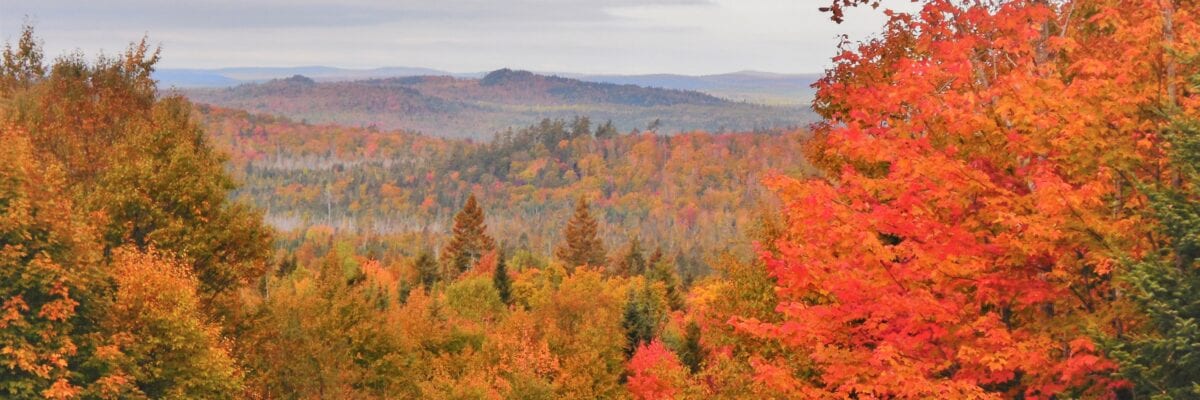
[{"x": 1001, "y": 200}]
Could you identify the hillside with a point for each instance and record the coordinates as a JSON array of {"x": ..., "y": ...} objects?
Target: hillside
[
  {"x": 364, "y": 182},
  {"x": 477, "y": 108},
  {"x": 750, "y": 86}
]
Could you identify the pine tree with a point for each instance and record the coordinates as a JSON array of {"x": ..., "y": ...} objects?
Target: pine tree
[
  {"x": 692, "y": 353},
  {"x": 427, "y": 270},
  {"x": 606, "y": 130},
  {"x": 469, "y": 243},
  {"x": 632, "y": 262},
  {"x": 581, "y": 246},
  {"x": 1164, "y": 362},
  {"x": 501, "y": 280},
  {"x": 664, "y": 271}
]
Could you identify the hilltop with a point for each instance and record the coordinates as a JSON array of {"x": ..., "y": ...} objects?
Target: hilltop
[{"x": 479, "y": 107}]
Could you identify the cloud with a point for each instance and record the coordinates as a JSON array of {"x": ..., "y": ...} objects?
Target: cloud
[{"x": 602, "y": 36}]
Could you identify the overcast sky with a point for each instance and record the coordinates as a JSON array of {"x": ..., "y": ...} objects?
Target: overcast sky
[{"x": 586, "y": 36}]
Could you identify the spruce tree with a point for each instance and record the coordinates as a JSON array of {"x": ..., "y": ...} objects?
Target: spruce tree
[
  {"x": 1163, "y": 361},
  {"x": 632, "y": 262},
  {"x": 501, "y": 280},
  {"x": 469, "y": 241},
  {"x": 581, "y": 245},
  {"x": 664, "y": 271},
  {"x": 427, "y": 270}
]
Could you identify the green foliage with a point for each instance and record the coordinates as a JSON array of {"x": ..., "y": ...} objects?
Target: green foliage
[
  {"x": 427, "y": 270},
  {"x": 1164, "y": 361},
  {"x": 632, "y": 261},
  {"x": 474, "y": 298},
  {"x": 501, "y": 281},
  {"x": 664, "y": 272},
  {"x": 645, "y": 313}
]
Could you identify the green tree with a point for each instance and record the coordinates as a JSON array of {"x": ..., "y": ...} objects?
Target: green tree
[
  {"x": 632, "y": 262},
  {"x": 644, "y": 315},
  {"x": 581, "y": 245},
  {"x": 501, "y": 280},
  {"x": 427, "y": 270},
  {"x": 1164, "y": 361},
  {"x": 664, "y": 272}
]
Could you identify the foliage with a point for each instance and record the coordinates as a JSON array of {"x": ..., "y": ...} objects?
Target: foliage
[
  {"x": 965, "y": 241},
  {"x": 469, "y": 241},
  {"x": 580, "y": 244},
  {"x": 1161, "y": 358}
]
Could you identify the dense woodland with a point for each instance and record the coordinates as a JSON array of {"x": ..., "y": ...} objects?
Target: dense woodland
[
  {"x": 1001, "y": 202},
  {"x": 396, "y": 192}
]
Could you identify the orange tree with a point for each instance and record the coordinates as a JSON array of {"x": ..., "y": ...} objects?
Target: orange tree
[{"x": 980, "y": 159}]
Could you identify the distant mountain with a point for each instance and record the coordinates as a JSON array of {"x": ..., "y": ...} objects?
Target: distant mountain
[
  {"x": 225, "y": 77},
  {"x": 477, "y": 108},
  {"x": 188, "y": 78},
  {"x": 751, "y": 86}
]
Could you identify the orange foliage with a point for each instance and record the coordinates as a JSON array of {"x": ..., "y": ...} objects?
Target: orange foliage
[{"x": 980, "y": 160}]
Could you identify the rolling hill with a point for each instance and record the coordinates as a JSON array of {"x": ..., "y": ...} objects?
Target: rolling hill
[{"x": 478, "y": 108}]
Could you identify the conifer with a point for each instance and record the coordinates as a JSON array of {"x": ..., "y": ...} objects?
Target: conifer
[
  {"x": 581, "y": 244},
  {"x": 469, "y": 241}
]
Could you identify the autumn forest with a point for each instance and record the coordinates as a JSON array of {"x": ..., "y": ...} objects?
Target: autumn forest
[{"x": 988, "y": 199}]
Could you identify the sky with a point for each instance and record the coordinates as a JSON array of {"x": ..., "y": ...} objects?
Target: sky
[{"x": 580, "y": 36}]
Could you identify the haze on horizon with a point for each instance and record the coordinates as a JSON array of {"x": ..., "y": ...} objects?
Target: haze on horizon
[{"x": 582, "y": 36}]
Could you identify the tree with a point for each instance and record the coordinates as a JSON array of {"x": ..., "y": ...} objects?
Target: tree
[
  {"x": 979, "y": 159},
  {"x": 655, "y": 373},
  {"x": 644, "y": 315},
  {"x": 581, "y": 245},
  {"x": 49, "y": 275},
  {"x": 23, "y": 65},
  {"x": 1163, "y": 359},
  {"x": 140, "y": 162},
  {"x": 501, "y": 280},
  {"x": 469, "y": 241},
  {"x": 664, "y": 272},
  {"x": 427, "y": 270},
  {"x": 632, "y": 262},
  {"x": 166, "y": 348},
  {"x": 606, "y": 130},
  {"x": 581, "y": 127}
]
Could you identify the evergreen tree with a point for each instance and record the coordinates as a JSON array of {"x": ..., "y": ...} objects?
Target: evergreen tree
[
  {"x": 469, "y": 243},
  {"x": 427, "y": 270},
  {"x": 1164, "y": 362},
  {"x": 692, "y": 352},
  {"x": 501, "y": 280},
  {"x": 606, "y": 130},
  {"x": 664, "y": 271},
  {"x": 644, "y": 313},
  {"x": 581, "y": 126},
  {"x": 632, "y": 262},
  {"x": 581, "y": 244}
]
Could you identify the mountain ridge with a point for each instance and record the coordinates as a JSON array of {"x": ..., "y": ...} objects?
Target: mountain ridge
[
  {"x": 746, "y": 85},
  {"x": 480, "y": 107}
]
